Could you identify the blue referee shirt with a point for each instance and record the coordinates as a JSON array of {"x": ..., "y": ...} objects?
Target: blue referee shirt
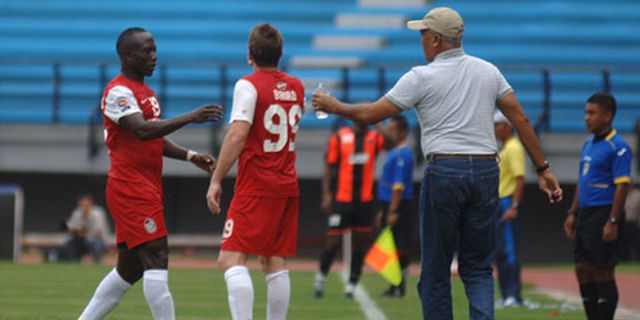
[
  {"x": 397, "y": 172},
  {"x": 605, "y": 162}
]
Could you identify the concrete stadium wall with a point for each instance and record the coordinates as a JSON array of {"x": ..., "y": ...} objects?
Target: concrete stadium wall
[{"x": 50, "y": 198}]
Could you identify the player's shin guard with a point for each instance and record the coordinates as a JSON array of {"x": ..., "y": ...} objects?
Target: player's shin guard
[
  {"x": 156, "y": 291},
  {"x": 107, "y": 295},
  {"x": 240, "y": 290},
  {"x": 589, "y": 293},
  {"x": 607, "y": 300},
  {"x": 278, "y": 293}
]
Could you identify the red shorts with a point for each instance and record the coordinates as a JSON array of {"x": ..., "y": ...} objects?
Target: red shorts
[
  {"x": 137, "y": 211},
  {"x": 262, "y": 226}
]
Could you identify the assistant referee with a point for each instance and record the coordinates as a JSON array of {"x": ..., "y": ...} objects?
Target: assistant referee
[{"x": 598, "y": 208}]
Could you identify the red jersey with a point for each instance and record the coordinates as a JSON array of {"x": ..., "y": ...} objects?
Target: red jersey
[
  {"x": 354, "y": 156},
  {"x": 131, "y": 159},
  {"x": 134, "y": 189},
  {"x": 272, "y": 102}
]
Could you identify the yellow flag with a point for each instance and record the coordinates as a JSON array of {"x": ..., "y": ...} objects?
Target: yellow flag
[{"x": 383, "y": 257}]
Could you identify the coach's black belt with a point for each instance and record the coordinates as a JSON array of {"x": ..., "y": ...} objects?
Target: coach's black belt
[{"x": 445, "y": 156}]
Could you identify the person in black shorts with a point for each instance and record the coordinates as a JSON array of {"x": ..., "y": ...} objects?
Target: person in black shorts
[
  {"x": 348, "y": 198},
  {"x": 597, "y": 210},
  {"x": 395, "y": 196}
]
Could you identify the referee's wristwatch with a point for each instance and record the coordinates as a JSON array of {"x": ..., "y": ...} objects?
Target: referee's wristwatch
[
  {"x": 614, "y": 220},
  {"x": 542, "y": 168}
]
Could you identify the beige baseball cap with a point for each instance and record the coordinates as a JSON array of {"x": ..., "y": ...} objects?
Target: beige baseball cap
[{"x": 442, "y": 20}]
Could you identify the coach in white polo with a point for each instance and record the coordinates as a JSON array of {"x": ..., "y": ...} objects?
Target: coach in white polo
[{"x": 454, "y": 97}]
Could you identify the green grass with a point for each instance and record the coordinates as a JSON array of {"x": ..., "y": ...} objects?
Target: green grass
[
  {"x": 60, "y": 291},
  {"x": 622, "y": 268}
]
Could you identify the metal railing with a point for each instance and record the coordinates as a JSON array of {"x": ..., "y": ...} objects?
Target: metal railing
[{"x": 225, "y": 80}]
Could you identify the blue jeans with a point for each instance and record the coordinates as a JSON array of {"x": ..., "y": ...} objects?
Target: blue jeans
[
  {"x": 507, "y": 258},
  {"x": 458, "y": 200}
]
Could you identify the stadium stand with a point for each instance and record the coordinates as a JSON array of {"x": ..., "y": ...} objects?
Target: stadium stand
[{"x": 56, "y": 56}]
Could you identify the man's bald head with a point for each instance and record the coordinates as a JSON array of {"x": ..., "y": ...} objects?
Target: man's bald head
[{"x": 125, "y": 40}]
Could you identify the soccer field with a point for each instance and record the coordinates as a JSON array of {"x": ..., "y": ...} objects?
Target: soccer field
[{"x": 60, "y": 291}]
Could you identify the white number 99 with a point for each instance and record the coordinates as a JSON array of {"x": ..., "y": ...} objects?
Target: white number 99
[{"x": 281, "y": 129}]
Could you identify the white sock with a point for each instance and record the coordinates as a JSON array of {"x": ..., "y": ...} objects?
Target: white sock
[
  {"x": 156, "y": 291},
  {"x": 240, "y": 289},
  {"x": 107, "y": 295},
  {"x": 278, "y": 292}
]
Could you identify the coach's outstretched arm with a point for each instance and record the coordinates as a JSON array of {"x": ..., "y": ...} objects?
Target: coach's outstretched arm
[
  {"x": 146, "y": 130},
  {"x": 231, "y": 147},
  {"x": 362, "y": 112},
  {"x": 547, "y": 182}
]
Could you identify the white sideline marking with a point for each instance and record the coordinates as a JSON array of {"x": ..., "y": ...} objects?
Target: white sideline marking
[
  {"x": 622, "y": 313},
  {"x": 367, "y": 305}
]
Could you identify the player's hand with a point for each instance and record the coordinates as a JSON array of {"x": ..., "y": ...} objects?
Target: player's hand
[
  {"x": 548, "y": 183},
  {"x": 511, "y": 214},
  {"x": 325, "y": 206},
  {"x": 205, "y": 162},
  {"x": 206, "y": 113},
  {"x": 609, "y": 232},
  {"x": 392, "y": 219},
  {"x": 324, "y": 102},
  {"x": 213, "y": 197},
  {"x": 570, "y": 226},
  {"x": 378, "y": 219}
]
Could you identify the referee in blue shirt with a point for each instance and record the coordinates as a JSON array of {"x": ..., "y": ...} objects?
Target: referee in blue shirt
[
  {"x": 594, "y": 219},
  {"x": 395, "y": 195}
]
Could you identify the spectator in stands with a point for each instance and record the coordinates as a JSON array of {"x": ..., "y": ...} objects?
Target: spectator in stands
[
  {"x": 88, "y": 229},
  {"x": 454, "y": 96},
  {"x": 347, "y": 198},
  {"x": 510, "y": 190},
  {"x": 597, "y": 211},
  {"x": 630, "y": 245},
  {"x": 395, "y": 197}
]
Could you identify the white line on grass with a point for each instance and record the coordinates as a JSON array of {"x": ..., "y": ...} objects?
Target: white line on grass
[
  {"x": 367, "y": 305},
  {"x": 622, "y": 313}
]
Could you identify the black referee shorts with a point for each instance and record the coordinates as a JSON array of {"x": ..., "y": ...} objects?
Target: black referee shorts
[
  {"x": 588, "y": 244},
  {"x": 403, "y": 230}
]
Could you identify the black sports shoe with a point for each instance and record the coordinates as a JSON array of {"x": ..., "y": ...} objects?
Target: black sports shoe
[
  {"x": 393, "y": 292},
  {"x": 317, "y": 294}
]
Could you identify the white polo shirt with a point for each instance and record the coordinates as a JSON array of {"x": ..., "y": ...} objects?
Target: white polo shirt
[{"x": 455, "y": 97}]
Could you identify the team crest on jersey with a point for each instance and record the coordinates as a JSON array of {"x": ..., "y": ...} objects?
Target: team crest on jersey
[
  {"x": 123, "y": 105},
  {"x": 281, "y": 86},
  {"x": 150, "y": 225}
]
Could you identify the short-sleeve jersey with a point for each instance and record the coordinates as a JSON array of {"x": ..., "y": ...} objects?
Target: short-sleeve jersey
[
  {"x": 605, "y": 162},
  {"x": 132, "y": 160},
  {"x": 397, "y": 174},
  {"x": 454, "y": 97},
  {"x": 354, "y": 156},
  {"x": 512, "y": 159},
  {"x": 271, "y": 101}
]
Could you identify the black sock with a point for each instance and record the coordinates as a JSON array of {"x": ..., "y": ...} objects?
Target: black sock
[
  {"x": 607, "y": 300},
  {"x": 357, "y": 259},
  {"x": 327, "y": 257},
  {"x": 589, "y": 293}
]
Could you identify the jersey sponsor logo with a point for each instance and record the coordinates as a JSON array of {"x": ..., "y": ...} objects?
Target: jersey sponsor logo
[
  {"x": 150, "y": 225},
  {"x": 359, "y": 158},
  {"x": 622, "y": 152},
  {"x": 228, "y": 229},
  {"x": 281, "y": 95},
  {"x": 123, "y": 105}
]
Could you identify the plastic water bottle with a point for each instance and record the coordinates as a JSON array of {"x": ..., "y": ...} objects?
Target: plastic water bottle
[{"x": 321, "y": 89}]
